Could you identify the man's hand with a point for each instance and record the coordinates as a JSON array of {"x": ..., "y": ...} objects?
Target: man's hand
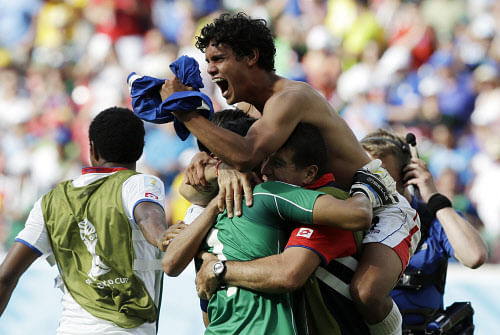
[
  {"x": 376, "y": 183},
  {"x": 206, "y": 282},
  {"x": 417, "y": 173},
  {"x": 169, "y": 234},
  {"x": 172, "y": 86},
  {"x": 232, "y": 185},
  {"x": 195, "y": 172}
]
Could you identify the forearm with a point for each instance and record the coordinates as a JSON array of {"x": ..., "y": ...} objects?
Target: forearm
[
  {"x": 17, "y": 261},
  {"x": 6, "y": 289},
  {"x": 186, "y": 245},
  {"x": 470, "y": 249},
  {"x": 259, "y": 275},
  {"x": 270, "y": 275},
  {"x": 352, "y": 214},
  {"x": 152, "y": 221},
  {"x": 225, "y": 144}
]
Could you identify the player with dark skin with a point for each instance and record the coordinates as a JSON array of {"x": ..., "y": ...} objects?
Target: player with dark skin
[
  {"x": 240, "y": 56},
  {"x": 148, "y": 215}
]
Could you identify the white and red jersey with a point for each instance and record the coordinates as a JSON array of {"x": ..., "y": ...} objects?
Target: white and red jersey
[{"x": 136, "y": 189}]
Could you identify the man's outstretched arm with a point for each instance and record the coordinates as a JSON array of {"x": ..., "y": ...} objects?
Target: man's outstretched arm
[
  {"x": 238, "y": 151},
  {"x": 19, "y": 258},
  {"x": 280, "y": 273},
  {"x": 265, "y": 136},
  {"x": 353, "y": 214}
]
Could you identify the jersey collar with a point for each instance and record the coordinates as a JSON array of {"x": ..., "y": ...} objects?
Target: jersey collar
[
  {"x": 324, "y": 180},
  {"x": 101, "y": 169}
]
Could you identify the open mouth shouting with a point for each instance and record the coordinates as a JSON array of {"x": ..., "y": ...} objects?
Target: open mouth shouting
[{"x": 223, "y": 85}]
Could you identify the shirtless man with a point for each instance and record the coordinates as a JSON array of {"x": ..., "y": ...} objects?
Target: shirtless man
[{"x": 240, "y": 54}]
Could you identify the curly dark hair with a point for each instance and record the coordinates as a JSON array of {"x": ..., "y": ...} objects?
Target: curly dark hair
[
  {"x": 243, "y": 34},
  {"x": 118, "y": 135}
]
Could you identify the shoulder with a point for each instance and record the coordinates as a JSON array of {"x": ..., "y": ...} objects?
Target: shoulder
[
  {"x": 299, "y": 102},
  {"x": 145, "y": 180},
  {"x": 273, "y": 187},
  {"x": 280, "y": 191},
  {"x": 37, "y": 208},
  {"x": 293, "y": 92},
  {"x": 143, "y": 185}
]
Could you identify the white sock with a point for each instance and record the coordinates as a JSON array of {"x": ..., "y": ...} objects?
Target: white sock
[{"x": 391, "y": 325}]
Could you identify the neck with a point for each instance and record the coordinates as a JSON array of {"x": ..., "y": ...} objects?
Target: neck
[
  {"x": 324, "y": 180},
  {"x": 129, "y": 166},
  {"x": 263, "y": 87},
  {"x": 406, "y": 193}
]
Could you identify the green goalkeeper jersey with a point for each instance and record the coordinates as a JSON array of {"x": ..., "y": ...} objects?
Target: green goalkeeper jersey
[{"x": 261, "y": 231}]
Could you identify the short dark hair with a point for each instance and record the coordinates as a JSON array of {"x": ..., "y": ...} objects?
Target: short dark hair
[
  {"x": 233, "y": 119},
  {"x": 309, "y": 148},
  {"x": 381, "y": 143},
  {"x": 243, "y": 34},
  {"x": 118, "y": 135}
]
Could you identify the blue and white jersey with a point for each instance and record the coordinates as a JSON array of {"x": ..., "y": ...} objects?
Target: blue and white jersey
[{"x": 427, "y": 258}]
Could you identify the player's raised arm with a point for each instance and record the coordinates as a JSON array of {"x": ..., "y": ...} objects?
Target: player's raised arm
[{"x": 265, "y": 136}]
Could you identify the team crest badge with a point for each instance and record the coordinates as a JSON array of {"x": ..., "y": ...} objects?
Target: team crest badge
[{"x": 305, "y": 232}]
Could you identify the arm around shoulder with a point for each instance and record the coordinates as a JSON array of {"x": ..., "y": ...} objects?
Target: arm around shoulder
[
  {"x": 280, "y": 273},
  {"x": 352, "y": 214}
]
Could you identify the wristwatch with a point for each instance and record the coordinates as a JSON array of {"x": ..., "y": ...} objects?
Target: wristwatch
[{"x": 219, "y": 269}]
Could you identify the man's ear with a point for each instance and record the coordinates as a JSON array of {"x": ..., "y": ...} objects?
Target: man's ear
[
  {"x": 311, "y": 174},
  {"x": 253, "y": 59},
  {"x": 93, "y": 151}
]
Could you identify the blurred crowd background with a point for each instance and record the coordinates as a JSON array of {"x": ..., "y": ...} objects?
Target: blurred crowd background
[{"x": 430, "y": 67}]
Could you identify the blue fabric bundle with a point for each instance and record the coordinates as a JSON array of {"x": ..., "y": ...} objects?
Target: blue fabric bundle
[{"x": 147, "y": 103}]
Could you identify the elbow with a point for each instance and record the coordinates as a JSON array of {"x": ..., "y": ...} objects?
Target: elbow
[
  {"x": 184, "y": 192},
  {"x": 8, "y": 281},
  {"x": 365, "y": 223},
  {"x": 247, "y": 159},
  {"x": 475, "y": 265},
  {"x": 292, "y": 280},
  {"x": 474, "y": 258},
  {"x": 363, "y": 220},
  {"x": 479, "y": 259},
  {"x": 358, "y": 214},
  {"x": 170, "y": 267},
  {"x": 244, "y": 163},
  {"x": 292, "y": 285}
]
